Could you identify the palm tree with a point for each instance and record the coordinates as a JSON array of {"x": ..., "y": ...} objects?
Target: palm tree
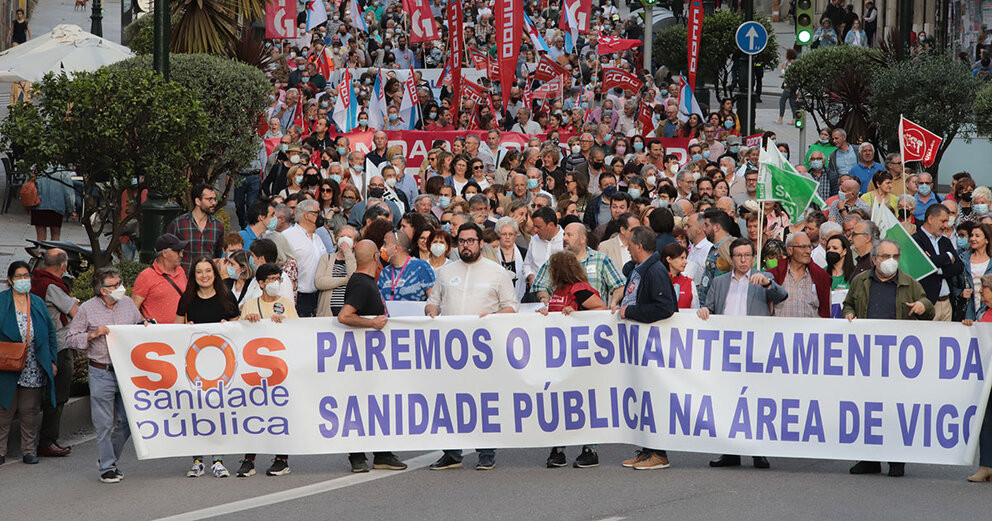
[{"x": 212, "y": 26}]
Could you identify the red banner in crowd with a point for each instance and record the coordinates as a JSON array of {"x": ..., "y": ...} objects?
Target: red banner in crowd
[
  {"x": 645, "y": 115},
  {"x": 280, "y": 19},
  {"x": 584, "y": 16},
  {"x": 422, "y": 27},
  {"x": 552, "y": 89},
  {"x": 754, "y": 140},
  {"x": 548, "y": 69},
  {"x": 480, "y": 60},
  {"x": 621, "y": 78},
  {"x": 695, "y": 34},
  {"x": 473, "y": 91},
  {"x": 612, "y": 44},
  {"x": 917, "y": 143},
  {"x": 455, "y": 46},
  {"x": 493, "y": 72},
  {"x": 509, "y": 28}
]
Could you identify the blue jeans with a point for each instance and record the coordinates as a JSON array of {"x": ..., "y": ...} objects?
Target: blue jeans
[
  {"x": 245, "y": 194},
  {"x": 109, "y": 417},
  {"x": 456, "y": 454}
]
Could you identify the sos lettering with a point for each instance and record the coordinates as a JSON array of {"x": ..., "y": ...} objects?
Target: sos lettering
[{"x": 151, "y": 357}]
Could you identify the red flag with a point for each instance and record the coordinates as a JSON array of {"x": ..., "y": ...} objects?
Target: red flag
[
  {"x": 445, "y": 79},
  {"x": 473, "y": 91},
  {"x": 455, "y": 47},
  {"x": 548, "y": 69},
  {"x": 493, "y": 71},
  {"x": 621, "y": 78},
  {"x": 612, "y": 44},
  {"x": 280, "y": 19},
  {"x": 422, "y": 27},
  {"x": 480, "y": 60},
  {"x": 323, "y": 63},
  {"x": 583, "y": 16},
  {"x": 509, "y": 29},
  {"x": 645, "y": 115},
  {"x": 528, "y": 95},
  {"x": 917, "y": 143},
  {"x": 411, "y": 86},
  {"x": 695, "y": 33},
  {"x": 551, "y": 89}
]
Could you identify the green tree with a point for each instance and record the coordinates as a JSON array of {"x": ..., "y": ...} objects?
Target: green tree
[
  {"x": 717, "y": 47},
  {"x": 983, "y": 110},
  {"x": 139, "y": 35},
  {"x": 233, "y": 95},
  {"x": 212, "y": 27},
  {"x": 932, "y": 90},
  {"x": 117, "y": 129},
  {"x": 830, "y": 84}
]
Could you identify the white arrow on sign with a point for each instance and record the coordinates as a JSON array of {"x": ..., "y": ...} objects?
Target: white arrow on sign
[
  {"x": 287, "y": 24},
  {"x": 751, "y": 34}
]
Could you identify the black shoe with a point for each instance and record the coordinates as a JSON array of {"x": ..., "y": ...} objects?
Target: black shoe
[
  {"x": 726, "y": 460},
  {"x": 556, "y": 459},
  {"x": 866, "y": 467},
  {"x": 486, "y": 462},
  {"x": 247, "y": 469},
  {"x": 30, "y": 458},
  {"x": 446, "y": 462},
  {"x": 388, "y": 462},
  {"x": 761, "y": 462},
  {"x": 3, "y": 459},
  {"x": 110, "y": 477},
  {"x": 587, "y": 459},
  {"x": 358, "y": 463},
  {"x": 280, "y": 467},
  {"x": 897, "y": 470}
]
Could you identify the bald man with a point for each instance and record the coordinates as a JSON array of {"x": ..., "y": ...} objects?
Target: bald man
[
  {"x": 847, "y": 200},
  {"x": 361, "y": 299},
  {"x": 603, "y": 274}
]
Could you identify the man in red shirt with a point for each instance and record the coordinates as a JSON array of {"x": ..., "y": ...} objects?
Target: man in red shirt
[{"x": 158, "y": 287}]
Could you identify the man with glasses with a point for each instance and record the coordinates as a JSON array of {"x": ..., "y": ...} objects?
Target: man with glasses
[
  {"x": 88, "y": 334},
  {"x": 807, "y": 284},
  {"x": 471, "y": 285},
  {"x": 745, "y": 291},
  {"x": 885, "y": 292},
  {"x": 940, "y": 250},
  {"x": 925, "y": 196},
  {"x": 307, "y": 248},
  {"x": 203, "y": 233}
]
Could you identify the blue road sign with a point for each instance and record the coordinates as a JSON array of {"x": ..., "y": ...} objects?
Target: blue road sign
[{"x": 751, "y": 37}]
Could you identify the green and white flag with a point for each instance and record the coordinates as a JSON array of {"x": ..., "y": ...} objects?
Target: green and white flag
[
  {"x": 773, "y": 156},
  {"x": 912, "y": 259},
  {"x": 778, "y": 181}
]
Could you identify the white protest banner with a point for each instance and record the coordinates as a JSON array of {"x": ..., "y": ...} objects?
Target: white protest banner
[{"x": 862, "y": 390}]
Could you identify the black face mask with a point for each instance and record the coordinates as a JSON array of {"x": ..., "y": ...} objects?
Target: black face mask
[
  {"x": 319, "y": 223},
  {"x": 377, "y": 192},
  {"x": 597, "y": 165},
  {"x": 965, "y": 197},
  {"x": 904, "y": 213},
  {"x": 832, "y": 258}
]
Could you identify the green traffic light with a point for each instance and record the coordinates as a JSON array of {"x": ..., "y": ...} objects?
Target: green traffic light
[
  {"x": 804, "y": 37},
  {"x": 800, "y": 121}
]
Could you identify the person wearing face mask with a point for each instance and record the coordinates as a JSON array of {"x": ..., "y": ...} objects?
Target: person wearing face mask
[
  {"x": 26, "y": 320},
  {"x": 840, "y": 267},
  {"x": 925, "y": 196},
  {"x": 294, "y": 182},
  {"x": 88, "y": 334},
  {"x": 158, "y": 287},
  {"x": 307, "y": 249},
  {"x": 275, "y": 182},
  {"x": 239, "y": 273},
  {"x": 824, "y": 146},
  {"x": 885, "y": 292}
]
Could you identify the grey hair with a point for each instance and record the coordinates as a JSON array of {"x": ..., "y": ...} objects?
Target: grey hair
[
  {"x": 877, "y": 245},
  {"x": 829, "y": 229},
  {"x": 281, "y": 210},
  {"x": 503, "y": 222},
  {"x": 336, "y": 163},
  {"x": 842, "y": 131},
  {"x": 304, "y": 206},
  {"x": 545, "y": 197},
  {"x": 909, "y": 199},
  {"x": 423, "y": 196},
  {"x": 792, "y": 238},
  {"x": 872, "y": 229},
  {"x": 55, "y": 259},
  {"x": 866, "y": 145},
  {"x": 732, "y": 161},
  {"x": 101, "y": 275}
]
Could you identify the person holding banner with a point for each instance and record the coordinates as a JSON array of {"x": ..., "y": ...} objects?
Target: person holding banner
[
  {"x": 648, "y": 297},
  {"x": 940, "y": 250},
  {"x": 470, "y": 286},
  {"x": 984, "y": 472}
]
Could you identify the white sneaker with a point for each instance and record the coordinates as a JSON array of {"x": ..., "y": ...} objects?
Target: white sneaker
[
  {"x": 219, "y": 470},
  {"x": 196, "y": 470}
]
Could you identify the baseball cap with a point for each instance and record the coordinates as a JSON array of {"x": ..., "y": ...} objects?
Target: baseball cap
[{"x": 168, "y": 241}]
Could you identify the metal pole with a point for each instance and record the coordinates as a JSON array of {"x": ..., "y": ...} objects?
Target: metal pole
[
  {"x": 160, "y": 58},
  {"x": 648, "y": 37},
  {"x": 750, "y": 91},
  {"x": 802, "y": 138},
  {"x": 96, "y": 18}
]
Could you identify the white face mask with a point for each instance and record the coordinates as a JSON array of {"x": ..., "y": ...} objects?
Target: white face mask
[
  {"x": 650, "y": 180},
  {"x": 888, "y": 267},
  {"x": 696, "y": 176},
  {"x": 576, "y": 149},
  {"x": 272, "y": 289},
  {"x": 674, "y": 169},
  {"x": 346, "y": 241},
  {"x": 438, "y": 249},
  {"x": 295, "y": 159},
  {"x": 391, "y": 182},
  {"x": 118, "y": 293}
]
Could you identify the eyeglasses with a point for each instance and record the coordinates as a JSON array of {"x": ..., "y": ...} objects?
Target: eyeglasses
[
  {"x": 802, "y": 246},
  {"x": 113, "y": 286},
  {"x": 445, "y": 222},
  {"x": 327, "y": 190},
  {"x": 477, "y": 167},
  {"x": 23, "y": 276},
  {"x": 887, "y": 257},
  {"x": 467, "y": 242}
]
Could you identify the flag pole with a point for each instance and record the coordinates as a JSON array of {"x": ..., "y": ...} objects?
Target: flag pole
[
  {"x": 761, "y": 226},
  {"x": 902, "y": 155}
]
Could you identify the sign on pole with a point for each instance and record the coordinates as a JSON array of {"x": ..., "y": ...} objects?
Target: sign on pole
[{"x": 752, "y": 37}]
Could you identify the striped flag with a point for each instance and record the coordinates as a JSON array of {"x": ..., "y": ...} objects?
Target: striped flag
[
  {"x": 912, "y": 259},
  {"x": 535, "y": 35}
]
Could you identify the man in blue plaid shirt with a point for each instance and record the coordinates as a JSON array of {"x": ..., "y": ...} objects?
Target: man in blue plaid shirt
[{"x": 602, "y": 273}]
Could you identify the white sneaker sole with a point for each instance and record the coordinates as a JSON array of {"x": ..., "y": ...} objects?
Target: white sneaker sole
[
  {"x": 248, "y": 474},
  {"x": 280, "y": 473},
  {"x": 655, "y": 467}
]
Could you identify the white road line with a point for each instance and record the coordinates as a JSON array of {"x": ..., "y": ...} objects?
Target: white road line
[
  {"x": 612, "y": 519},
  {"x": 415, "y": 463}
]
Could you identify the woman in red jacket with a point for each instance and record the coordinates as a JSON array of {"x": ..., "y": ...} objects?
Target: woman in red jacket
[{"x": 674, "y": 258}]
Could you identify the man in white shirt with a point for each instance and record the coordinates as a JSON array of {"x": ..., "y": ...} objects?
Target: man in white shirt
[
  {"x": 471, "y": 285},
  {"x": 264, "y": 251},
  {"x": 524, "y": 124},
  {"x": 307, "y": 248},
  {"x": 546, "y": 241},
  {"x": 696, "y": 233}
]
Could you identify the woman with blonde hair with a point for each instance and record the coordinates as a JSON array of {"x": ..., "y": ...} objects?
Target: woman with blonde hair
[{"x": 294, "y": 182}]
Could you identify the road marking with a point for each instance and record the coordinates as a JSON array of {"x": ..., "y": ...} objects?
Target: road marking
[
  {"x": 616, "y": 518},
  {"x": 415, "y": 463}
]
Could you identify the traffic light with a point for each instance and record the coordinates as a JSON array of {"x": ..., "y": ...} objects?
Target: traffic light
[
  {"x": 804, "y": 22},
  {"x": 800, "y": 119}
]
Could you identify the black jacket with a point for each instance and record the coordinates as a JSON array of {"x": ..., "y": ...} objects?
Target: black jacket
[
  {"x": 949, "y": 265},
  {"x": 655, "y": 293}
]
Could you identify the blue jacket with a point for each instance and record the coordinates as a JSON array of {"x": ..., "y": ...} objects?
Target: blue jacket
[
  {"x": 969, "y": 310},
  {"x": 655, "y": 293},
  {"x": 56, "y": 193},
  {"x": 42, "y": 341}
]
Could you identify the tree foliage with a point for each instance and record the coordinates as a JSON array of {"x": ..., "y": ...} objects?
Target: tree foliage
[
  {"x": 983, "y": 110},
  {"x": 823, "y": 78},
  {"x": 233, "y": 95},
  {"x": 117, "y": 129},
  {"x": 139, "y": 35},
  {"x": 212, "y": 27},
  {"x": 929, "y": 89},
  {"x": 717, "y": 48}
]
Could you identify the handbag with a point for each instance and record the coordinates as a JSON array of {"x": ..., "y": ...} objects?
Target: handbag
[
  {"x": 29, "y": 194},
  {"x": 14, "y": 355}
]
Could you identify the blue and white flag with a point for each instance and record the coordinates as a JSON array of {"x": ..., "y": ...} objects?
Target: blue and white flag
[{"x": 687, "y": 101}]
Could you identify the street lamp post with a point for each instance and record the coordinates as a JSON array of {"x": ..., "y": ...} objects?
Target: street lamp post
[
  {"x": 160, "y": 58},
  {"x": 96, "y": 19}
]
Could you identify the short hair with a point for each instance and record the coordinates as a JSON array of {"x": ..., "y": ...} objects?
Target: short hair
[
  {"x": 877, "y": 245},
  {"x": 671, "y": 251},
  {"x": 741, "y": 241},
  {"x": 232, "y": 238},
  {"x": 621, "y": 196},
  {"x": 266, "y": 270},
  {"x": 55, "y": 259},
  {"x": 546, "y": 214},
  {"x": 841, "y": 131},
  {"x": 624, "y": 220},
  {"x": 258, "y": 210},
  {"x": 264, "y": 248},
  {"x": 645, "y": 237},
  {"x": 830, "y": 228},
  {"x": 910, "y": 199},
  {"x": 374, "y": 212},
  {"x": 100, "y": 277},
  {"x": 792, "y": 238},
  {"x": 817, "y": 218},
  {"x": 471, "y": 226},
  {"x": 197, "y": 191},
  {"x": 503, "y": 222},
  {"x": 422, "y": 197},
  {"x": 870, "y": 228},
  {"x": 720, "y": 218},
  {"x": 283, "y": 211},
  {"x": 307, "y": 205},
  {"x": 662, "y": 220},
  {"x": 478, "y": 199},
  {"x": 935, "y": 210}
]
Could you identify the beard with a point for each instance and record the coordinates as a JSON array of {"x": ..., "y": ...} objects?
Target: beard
[{"x": 469, "y": 256}]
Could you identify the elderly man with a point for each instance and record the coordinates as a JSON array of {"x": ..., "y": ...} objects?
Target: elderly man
[
  {"x": 593, "y": 169},
  {"x": 671, "y": 127},
  {"x": 376, "y": 194},
  {"x": 524, "y": 124},
  {"x": 307, "y": 250},
  {"x": 941, "y": 251},
  {"x": 157, "y": 288},
  {"x": 355, "y": 172},
  {"x": 863, "y": 239},
  {"x": 925, "y": 196},
  {"x": 807, "y": 284},
  {"x": 844, "y": 158},
  {"x": 377, "y": 155},
  {"x": 627, "y": 124},
  {"x": 750, "y": 187},
  {"x": 518, "y": 190},
  {"x": 847, "y": 201},
  {"x": 490, "y": 291},
  {"x": 826, "y": 179},
  {"x": 866, "y": 167},
  {"x": 699, "y": 246},
  {"x": 885, "y": 292},
  {"x": 88, "y": 334},
  {"x": 893, "y": 163}
]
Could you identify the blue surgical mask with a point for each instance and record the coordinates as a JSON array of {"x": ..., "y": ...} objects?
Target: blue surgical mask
[
  {"x": 924, "y": 190},
  {"x": 697, "y": 157},
  {"x": 728, "y": 124},
  {"x": 271, "y": 225},
  {"x": 363, "y": 122},
  {"x": 393, "y": 117},
  {"x": 251, "y": 262},
  {"x": 638, "y": 146},
  {"x": 634, "y": 192},
  {"x": 981, "y": 208},
  {"x": 323, "y": 104},
  {"x": 336, "y": 178},
  {"x": 432, "y": 115},
  {"x": 816, "y": 164},
  {"x": 734, "y": 149},
  {"x": 444, "y": 201},
  {"x": 284, "y": 147},
  {"x": 342, "y": 151},
  {"x": 359, "y": 168},
  {"x": 446, "y": 227},
  {"x": 299, "y": 179},
  {"x": 724, "y": 170},
  {"x": 706, "y": 154},
  {"x": 608, "y": 137},
  {"x": 531, "y": 184},
  {"x": 22, "y": 286},
  {"x": 584, "y": 105},
  {"x": 963, "y": 243},
  {"x": 232, "y": 273},
  {"x": 824, "y": 140}
]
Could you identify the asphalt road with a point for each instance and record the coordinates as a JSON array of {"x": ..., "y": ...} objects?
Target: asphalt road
[{"x": 520, "y": 487}]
